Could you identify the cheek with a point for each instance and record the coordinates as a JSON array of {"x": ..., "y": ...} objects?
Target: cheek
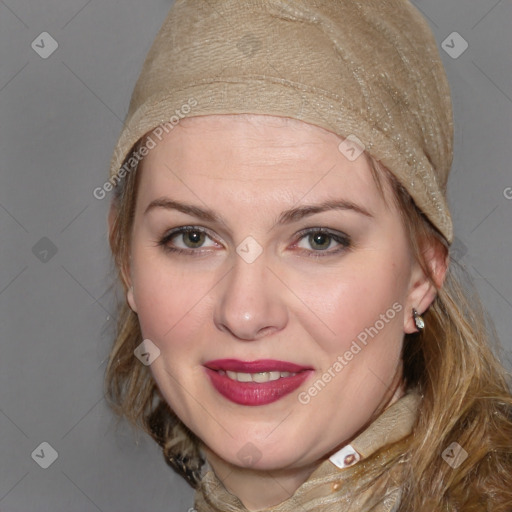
[
  {"x": 358, "y": 295},
  {"x": 172, "y": 302},
  {"x": 365, "y": 312}
]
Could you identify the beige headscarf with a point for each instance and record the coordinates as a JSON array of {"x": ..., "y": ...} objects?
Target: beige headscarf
[{"x": 364, "y": 68}]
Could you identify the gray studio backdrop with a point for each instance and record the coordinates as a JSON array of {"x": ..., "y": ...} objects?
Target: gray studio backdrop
[{"x": 67, "y": 69}]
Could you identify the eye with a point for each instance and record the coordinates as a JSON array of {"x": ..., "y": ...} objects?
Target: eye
[
  {"x": 317, "y": 242},
  {"x": 186, "y": 239},
  {"x": 322, "y": 240}
]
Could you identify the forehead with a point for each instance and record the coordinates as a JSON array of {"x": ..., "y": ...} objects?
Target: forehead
[{"x": 254, "y": 158}]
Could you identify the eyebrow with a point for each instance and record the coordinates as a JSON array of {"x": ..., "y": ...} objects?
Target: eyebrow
[{"x": 286, "y": 217}]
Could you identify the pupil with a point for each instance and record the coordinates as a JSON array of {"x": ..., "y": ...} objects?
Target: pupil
[
  {"x": 320, "y": 239},
  {"x": 194, "y": 238}
]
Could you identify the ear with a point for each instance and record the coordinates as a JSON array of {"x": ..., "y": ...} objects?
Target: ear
[
  {"x": 125, "y": 266},
  {"x": 130, "y": 298},
  {"x": 423, "y": 288}
]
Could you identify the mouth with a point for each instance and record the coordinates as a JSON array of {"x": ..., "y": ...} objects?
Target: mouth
[
  {"x": 255, "y": 382},
  {"x": 259, "y": 377}
]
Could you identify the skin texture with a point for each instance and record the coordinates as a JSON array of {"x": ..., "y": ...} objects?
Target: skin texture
[{"x": 287, "y": 304}]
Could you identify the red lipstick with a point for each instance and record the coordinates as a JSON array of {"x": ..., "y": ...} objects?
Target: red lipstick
[{"x": 271, "y": 386}]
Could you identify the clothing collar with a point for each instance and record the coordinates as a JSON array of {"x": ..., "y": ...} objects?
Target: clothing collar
[{"x": 328, "y": 485}]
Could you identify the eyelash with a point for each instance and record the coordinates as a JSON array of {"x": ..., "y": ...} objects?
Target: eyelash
[{"x": 344, "y": 241}]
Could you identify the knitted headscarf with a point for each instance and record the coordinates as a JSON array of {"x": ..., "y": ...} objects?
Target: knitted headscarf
[{"x": 367, "y": 70}]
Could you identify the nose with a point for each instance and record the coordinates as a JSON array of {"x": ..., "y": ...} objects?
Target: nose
[{"x": 251, "y": 302}]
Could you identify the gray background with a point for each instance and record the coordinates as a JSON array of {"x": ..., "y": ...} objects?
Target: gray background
[{"x": 59, "y": 121}]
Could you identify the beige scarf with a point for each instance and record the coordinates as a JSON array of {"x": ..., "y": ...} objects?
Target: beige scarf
[{"x": 333, "y": 486}]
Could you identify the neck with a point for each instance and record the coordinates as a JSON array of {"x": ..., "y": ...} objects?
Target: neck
[{"x": 258, "y": 489}]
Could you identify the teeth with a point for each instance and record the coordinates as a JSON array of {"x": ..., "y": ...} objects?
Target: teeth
[
  {"x": 261, "y": 377},
  {"x": 256, "y": 377}
]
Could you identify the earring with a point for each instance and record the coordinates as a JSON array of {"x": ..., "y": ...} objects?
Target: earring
[{"x": 418, "y": 320}]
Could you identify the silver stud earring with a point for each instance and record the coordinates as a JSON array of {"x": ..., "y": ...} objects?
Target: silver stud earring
[{"x": 418, "y": 320}]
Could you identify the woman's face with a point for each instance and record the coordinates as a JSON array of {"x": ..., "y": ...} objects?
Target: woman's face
[{"x": 261, "y": 253}]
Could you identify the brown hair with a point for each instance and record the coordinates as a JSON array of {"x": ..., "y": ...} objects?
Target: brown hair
[{"x": 465, "y": 394}]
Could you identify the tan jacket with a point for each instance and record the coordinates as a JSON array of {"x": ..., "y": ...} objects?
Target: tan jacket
[{"x": 333, "y": 487}]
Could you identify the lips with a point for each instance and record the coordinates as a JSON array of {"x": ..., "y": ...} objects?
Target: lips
[
  {"x": 255, "y": 382},
  {"x": 262, "y": 365}
]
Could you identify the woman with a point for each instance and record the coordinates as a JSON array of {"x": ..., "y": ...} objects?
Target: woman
[{"x": 294, "y": 335}]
